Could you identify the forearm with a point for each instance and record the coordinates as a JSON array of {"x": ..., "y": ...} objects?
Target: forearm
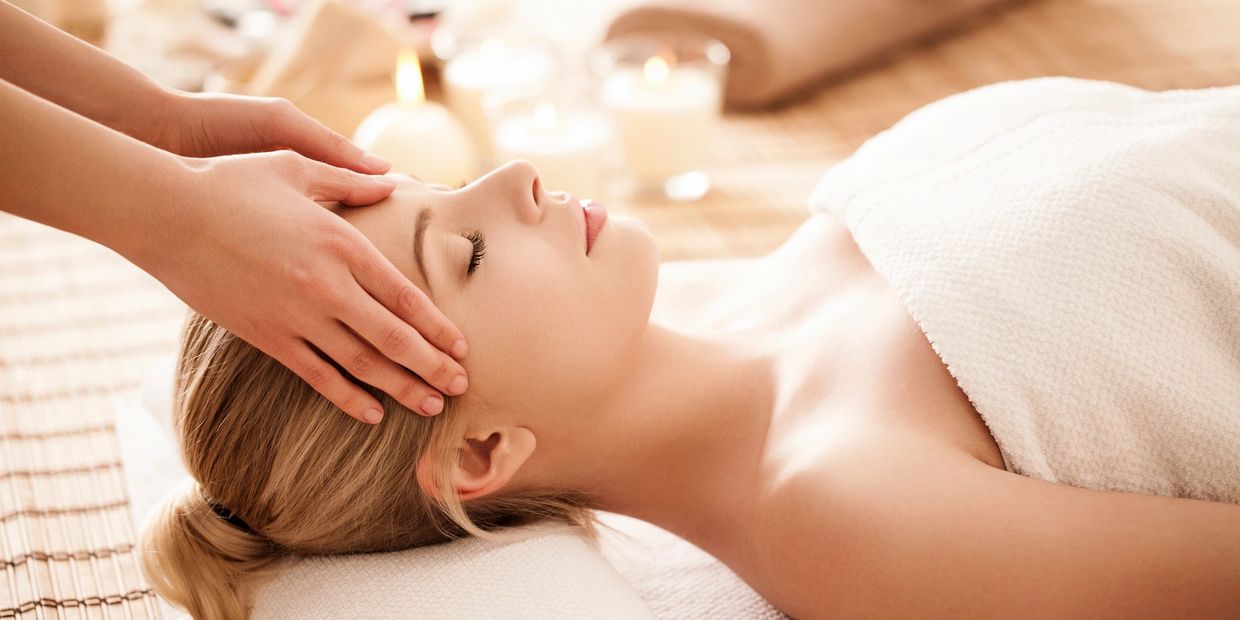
[
  {"x": 71, "y": 173},
  {"x": 64, "y": 70}
]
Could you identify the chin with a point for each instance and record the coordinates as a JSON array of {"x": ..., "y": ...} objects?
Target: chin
[
  {"x": 632, "y": 235},
  {"x": 631, "y": 244},
  {"x": 635, "y": 255},
  {"x": 629, "y": 220}
]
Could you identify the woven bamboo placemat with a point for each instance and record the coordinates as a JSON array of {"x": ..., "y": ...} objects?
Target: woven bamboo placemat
[{"x": 79, "y": 325}]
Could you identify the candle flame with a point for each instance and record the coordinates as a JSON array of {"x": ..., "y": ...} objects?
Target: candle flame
[
  {"x": 409, "y": 87},
  {"x": 657, "y": 69},
  {"x": 544, "y": 115}
]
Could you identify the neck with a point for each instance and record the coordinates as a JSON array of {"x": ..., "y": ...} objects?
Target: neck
[{"x": 683, "y": 448}]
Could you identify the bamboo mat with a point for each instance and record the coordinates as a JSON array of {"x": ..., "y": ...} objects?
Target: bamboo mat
[{"x": 79, "y": 326}]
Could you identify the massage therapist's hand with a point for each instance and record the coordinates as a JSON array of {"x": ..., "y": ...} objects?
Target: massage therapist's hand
[
  {"x": 247, "y": 246},
  {"x": 210, "y": 124},
  {"x": 88, "y": 147}
]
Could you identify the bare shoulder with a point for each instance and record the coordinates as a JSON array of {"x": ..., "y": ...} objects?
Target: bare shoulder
[{"x": 937, "y": 533}]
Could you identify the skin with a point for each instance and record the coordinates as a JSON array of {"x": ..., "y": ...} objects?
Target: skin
[
  {"x": 183, "y": 186},
  {"x": 850, "y": 478}
]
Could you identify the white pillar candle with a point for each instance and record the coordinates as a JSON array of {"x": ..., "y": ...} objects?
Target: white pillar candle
[
  {"x": 493, "y": 66},
  {"x": 569, "y": 147},
  {"x": 419, "y": 137},
  {"x": 665, "y": 115}
]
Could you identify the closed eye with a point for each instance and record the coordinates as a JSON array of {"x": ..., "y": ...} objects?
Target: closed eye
[{"x": 480, "y": 250}]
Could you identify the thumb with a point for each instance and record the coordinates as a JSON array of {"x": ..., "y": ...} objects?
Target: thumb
[
  {"x": 299, "y": 132},
  {"x": 328, "y": 183}
]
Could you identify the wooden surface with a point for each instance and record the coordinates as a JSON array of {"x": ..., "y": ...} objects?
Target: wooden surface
[{"x": 79, "y": 326}]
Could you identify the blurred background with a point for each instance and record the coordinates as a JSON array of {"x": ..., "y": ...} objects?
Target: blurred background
[
  {"x": 711, "y": 121},
  {"x": 799, "y": 84}
]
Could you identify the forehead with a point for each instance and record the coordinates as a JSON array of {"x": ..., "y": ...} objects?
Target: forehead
[{"x": 389, "y": 224}]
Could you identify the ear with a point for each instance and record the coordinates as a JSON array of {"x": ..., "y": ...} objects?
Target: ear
[{"x": 487, "y": 460}]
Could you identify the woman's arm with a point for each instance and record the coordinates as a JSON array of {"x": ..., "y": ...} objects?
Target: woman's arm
[
  {"x": 975, "y": 541},
  {"x": 238, "y": 238},
  {"x": 241, "y": 240},
  {"x": 55, "y": 66},
  {"x": 70, "y": 173},
  {"x": 58, "y": 67}
]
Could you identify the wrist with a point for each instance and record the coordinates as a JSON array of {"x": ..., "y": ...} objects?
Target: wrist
[
  {"x": 156, "y": 208},
  {"x": 167, "y": 107},
  {"x": 149, "y": 114}
]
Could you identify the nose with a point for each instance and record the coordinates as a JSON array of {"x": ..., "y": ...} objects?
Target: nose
[{"x": 520, "y": 180}]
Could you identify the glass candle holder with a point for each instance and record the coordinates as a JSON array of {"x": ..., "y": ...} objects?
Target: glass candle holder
[
  {"x": 479, "y": 68},
  {"x": 569, "y": 140},
  {"x": 665, "y": 97}
]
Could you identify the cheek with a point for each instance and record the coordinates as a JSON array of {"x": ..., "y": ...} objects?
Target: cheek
[
  {"x": 524, "y": 329},
  {"x": 553, "y": 333}
]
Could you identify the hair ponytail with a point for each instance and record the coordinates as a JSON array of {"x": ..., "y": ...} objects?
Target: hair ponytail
[{"x": 199, "y": 561}]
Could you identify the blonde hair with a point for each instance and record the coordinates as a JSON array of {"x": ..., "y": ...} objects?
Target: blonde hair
[{"x": 306, "y": 478}]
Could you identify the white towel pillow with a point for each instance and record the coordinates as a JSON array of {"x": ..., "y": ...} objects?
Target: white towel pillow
[{"x": 555, "y": 574}]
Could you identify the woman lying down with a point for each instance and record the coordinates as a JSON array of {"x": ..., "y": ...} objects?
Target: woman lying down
[{"x": 995, "y": 373}]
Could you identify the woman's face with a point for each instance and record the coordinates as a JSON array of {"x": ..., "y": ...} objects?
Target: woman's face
[{"x": 550, "y": 328}]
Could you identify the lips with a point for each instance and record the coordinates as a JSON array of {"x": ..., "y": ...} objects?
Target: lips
[
  {"x": 590, "y": 218},
  {"x": 596, "y": 217}
]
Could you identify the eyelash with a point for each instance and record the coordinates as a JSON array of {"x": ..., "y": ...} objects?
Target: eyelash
[{"x": 480, "y": 250}]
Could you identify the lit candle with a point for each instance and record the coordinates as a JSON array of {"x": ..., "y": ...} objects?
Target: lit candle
[
  {"x": 665, "y": 115},
  {"x": 494, "y": 66},
  {"x": 419, "y": 137},
  {"x": 569, "y": 147}
]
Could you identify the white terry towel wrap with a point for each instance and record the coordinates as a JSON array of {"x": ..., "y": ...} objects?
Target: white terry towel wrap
[{"x": 1071, "y": 249}]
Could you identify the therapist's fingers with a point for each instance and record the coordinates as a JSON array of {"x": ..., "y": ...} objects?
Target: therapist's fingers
[
  {"x": 374, "y": 368},
  {"x": 328, "y": 381},
  {"x": 294, "y": 129},
  {"x": 322, "y": 182},
  {"x": 391, "y": 288},
  {"x": 395, "y": 338}
]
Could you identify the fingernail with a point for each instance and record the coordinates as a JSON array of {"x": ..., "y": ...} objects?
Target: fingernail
[
  {"x": 459, "y": 349},
  {"x": 373, "y": 415},
  {"x": 458, "y": 385},
  {"x": 432, "y": 405},
  {"x": 374, "y": 162}
]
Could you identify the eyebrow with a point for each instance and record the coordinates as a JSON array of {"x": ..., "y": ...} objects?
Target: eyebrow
[{"x": 419, "y": 233}]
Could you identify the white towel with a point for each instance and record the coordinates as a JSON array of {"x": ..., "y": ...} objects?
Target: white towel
[
  {"x": 557, "y": 573},
  {"x": 1072, "y": 251},
  {"x": 676, "y": 579}
]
